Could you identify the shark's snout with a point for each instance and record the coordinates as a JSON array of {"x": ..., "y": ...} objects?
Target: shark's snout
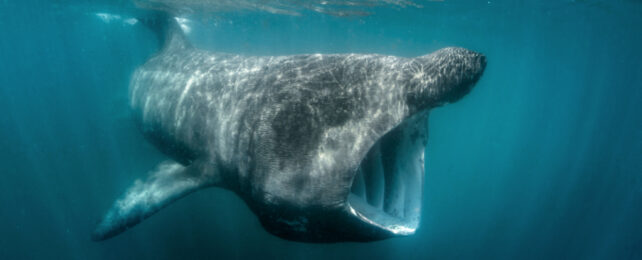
[
  {"x": 481, "y": 58},
  {"x": 470, "y": 67},
  {"x": 475, "y": 64},
  {"x": 441, "y": 77}
]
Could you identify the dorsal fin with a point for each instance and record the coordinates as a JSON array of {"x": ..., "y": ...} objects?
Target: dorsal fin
[{"x": 167, "y": 29}]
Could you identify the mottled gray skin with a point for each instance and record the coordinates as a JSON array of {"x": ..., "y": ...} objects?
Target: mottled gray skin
[{"x": 289, "y": 134}]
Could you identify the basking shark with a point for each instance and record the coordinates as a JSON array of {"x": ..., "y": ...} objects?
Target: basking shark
[{"x": 321, "y": 147}]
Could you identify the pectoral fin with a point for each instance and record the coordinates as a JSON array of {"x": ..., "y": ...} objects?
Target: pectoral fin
[{"x": 169, "y": 182}]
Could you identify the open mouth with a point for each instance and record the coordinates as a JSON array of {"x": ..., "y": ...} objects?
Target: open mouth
[{"x": 387, "y": 188}]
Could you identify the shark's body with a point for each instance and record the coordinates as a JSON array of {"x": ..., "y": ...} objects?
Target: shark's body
[{"x": 323, "y": 148}]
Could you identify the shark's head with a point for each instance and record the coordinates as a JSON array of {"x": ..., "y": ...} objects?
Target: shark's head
[{"x": 344, "y": 161}]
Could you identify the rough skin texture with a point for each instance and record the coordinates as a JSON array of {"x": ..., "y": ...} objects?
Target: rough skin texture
[{"x": 289, "y": 133}]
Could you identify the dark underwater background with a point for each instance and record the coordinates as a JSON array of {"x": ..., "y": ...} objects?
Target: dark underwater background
[{"x": 542, "y": 160}]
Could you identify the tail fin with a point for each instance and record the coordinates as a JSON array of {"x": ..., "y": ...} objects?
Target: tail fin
[{"x": 167, "y": 29}]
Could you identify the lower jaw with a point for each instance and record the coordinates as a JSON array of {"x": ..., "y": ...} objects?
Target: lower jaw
[
  {"x": 355, "y": 222},
  {"x": 324, "y": 226}
]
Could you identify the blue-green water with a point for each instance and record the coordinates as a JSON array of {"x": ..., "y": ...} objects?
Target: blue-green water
[{"x": 542, "y": 160}]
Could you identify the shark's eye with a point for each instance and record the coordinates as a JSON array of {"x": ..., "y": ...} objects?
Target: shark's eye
[{"x": 387, "y": 189}]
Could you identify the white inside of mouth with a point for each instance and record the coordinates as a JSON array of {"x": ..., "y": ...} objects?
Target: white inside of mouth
[{"x": 387, "y": 189}]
